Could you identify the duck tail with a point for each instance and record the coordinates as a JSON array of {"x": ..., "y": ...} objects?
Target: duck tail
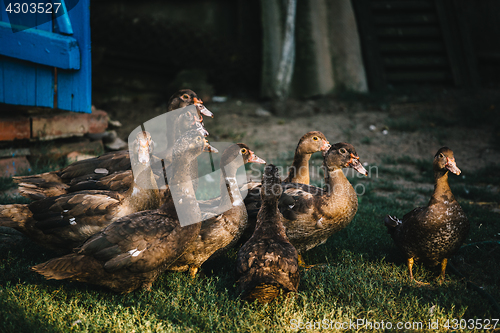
[
  {"x": 15, "y": 216},
  {"x": 391, "y": 221},
  {"x": 71, "y": 266},
  {"x": 41, "y": 186}
]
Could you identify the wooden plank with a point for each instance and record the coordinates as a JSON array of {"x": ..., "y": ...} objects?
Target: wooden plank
[
  {"x": 450, "y": 41},
  {"x": 467, "y": 46},
  {"x": 413, "y": 61},
  {"x": 74, "y": 90},
  {"x": 19, "y": 78},
  {"x": 39, "y": 46},
  {"x": 44, "y": 74},
  {"x": 418, "y": 76},
  {"x": 412, "y": 47},
  {"x": 404, "y": 32},
  {"x": 18, "y": 81},
  {"x": 410, "y": 19},
  {"x": 63, "y": 25},
  {"x": 370, "y": 46},
  {"x": 68, "y": 124},
  {"x": 402, "y": 5},
  {"x": 459, "y": 47}
]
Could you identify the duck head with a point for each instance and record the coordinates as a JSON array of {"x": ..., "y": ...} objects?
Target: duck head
[
  {"x": 143, "y": 147},
  {"x": 343, "y": 155},
  {"x": 312, "y": 142},
  {"x": 444, "y": 161},
  {"x": 185, "y": 97},
  {"x": 232, "y": 153}
]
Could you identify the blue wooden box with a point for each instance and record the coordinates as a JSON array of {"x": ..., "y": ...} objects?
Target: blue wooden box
[{"x": 49, "y": 64}]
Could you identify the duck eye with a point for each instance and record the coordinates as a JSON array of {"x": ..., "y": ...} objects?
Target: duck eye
[
  {"x": 243, "y": 151},
  {"x": 185, "y": 96},
  {"x": 315, "y": 138},
  {"x": 441, "y": 155},
  {"x": 343, "y": 151}
]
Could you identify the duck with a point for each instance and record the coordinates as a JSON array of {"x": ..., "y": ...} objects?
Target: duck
[
  {"x": 224, "y": 220},
  {"x": 110, "y": 171},
  {"x": 432, "y": 234},
  {"x": 267, "y": 264},
  {"x": 309, "y": 144},
  {"x": 312, "y": 214},
  {"x": 65, "y": 221},
  {"x": 134, "y": 250}
]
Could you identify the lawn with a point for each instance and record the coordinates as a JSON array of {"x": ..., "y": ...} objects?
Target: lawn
[{"x": 360, "y": 283}]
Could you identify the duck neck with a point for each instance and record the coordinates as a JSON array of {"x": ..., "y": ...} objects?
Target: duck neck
[
  {"x": 230, "y": 192},
  {"x": 442, "y": 190},
  {"x": 269, "y": 218},
  {"x": 337, "y": 184},
  {"x": 299, "y": 172},
  {"x": 182, "y": 192},
  {"x": 143, "y": 194}
]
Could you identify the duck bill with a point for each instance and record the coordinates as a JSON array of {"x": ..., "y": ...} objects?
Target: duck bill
[
  {"x": 452, "y": 166},
  {"x": 201, "y": 108},
  {"x": 208, "y": 148},
  {"x": 255, "y": 159},
  {"x": 356, "y": 165},
  {"x": 326, "y": 146}
]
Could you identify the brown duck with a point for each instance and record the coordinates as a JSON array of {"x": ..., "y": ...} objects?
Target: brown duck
[
  {"x": 313, "y": 214},
  {"x": 220, "y": 230},
  {"x": 111, "y": 171},
  {"x": 131, "y": 252},
  {"x": 267, "y": 263},
  {"x": 309, "y": 144},
  {"x": 434, "y": 233},
  {"x": 64, "y": 222}
]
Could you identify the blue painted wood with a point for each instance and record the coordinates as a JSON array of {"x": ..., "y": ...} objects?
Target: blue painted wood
[
  {"x": 30, "y": 83},
  {"x": 74, "y": 88},
  {"x": 39, "y": 46},
  {"x": 3, "y": 14},
  {"x": 4, "y": 18},
  {"x": 19, "y": 77},
  {"x": 63, "y": 24},
  {"x": 44, "y": 92}
]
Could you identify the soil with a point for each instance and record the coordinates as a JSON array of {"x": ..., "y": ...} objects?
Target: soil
[{"x": 387, "y": 127}]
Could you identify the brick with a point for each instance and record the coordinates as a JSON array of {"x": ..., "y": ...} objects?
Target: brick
[
  {"x": 68, "y": 124},
  {"x": 13, "y": 165},
  {"x": 14, "y": 128}
]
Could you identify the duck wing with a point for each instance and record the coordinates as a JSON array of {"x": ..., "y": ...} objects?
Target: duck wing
[
  {"x": 140, "y": 242},
  {"x": 297, "y": 199},
  {"x": 74, "y": 217}
]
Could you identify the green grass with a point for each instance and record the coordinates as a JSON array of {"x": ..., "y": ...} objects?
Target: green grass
[{"x": 363, "y": 277}]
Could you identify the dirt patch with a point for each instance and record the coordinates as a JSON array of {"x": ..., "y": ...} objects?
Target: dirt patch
[{"x": 377, "y": 130}]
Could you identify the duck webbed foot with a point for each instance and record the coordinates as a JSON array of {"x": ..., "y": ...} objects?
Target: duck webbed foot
[
  {"x": 192, "y": 271},
  {"x": 410, "y": 263},
  {"x": 443, "y": 269},
  {"x": 302, "y": 263}
]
